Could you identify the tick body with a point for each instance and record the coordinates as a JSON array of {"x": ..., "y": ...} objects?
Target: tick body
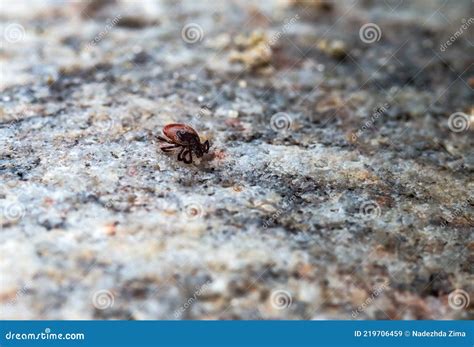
[{"x": 185, "y": 138}]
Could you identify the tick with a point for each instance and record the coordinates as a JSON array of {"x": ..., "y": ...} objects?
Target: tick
[{"x": 184, "y": 137}]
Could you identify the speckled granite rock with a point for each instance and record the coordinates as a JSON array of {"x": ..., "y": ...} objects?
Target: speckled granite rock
[{"x": 337, "y": 185}]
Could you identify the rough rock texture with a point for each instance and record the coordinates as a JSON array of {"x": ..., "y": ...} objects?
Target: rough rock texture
[{"x": 336, "y": 186}]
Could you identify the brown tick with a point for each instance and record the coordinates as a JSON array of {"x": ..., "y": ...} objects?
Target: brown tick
[{"x": 184, "y": 137}]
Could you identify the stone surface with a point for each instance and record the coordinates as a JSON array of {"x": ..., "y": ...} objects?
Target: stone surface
[{"x": 335, "y": 187}]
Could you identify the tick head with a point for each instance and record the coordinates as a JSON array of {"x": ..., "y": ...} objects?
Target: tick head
[
  {"x": 198, "y": 150},
  {"x": 201, "y": 148},
  {"x": 187, "y": 137}
]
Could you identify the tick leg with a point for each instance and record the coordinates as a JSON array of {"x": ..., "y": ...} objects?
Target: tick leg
[
  {"x": 169, "y": 148},
  {"x": 188, "y": 159},
  {"x": 206, "y": 146},
  {"x": 161, "y": 138},
  {"x": 180, "y": 154}
]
